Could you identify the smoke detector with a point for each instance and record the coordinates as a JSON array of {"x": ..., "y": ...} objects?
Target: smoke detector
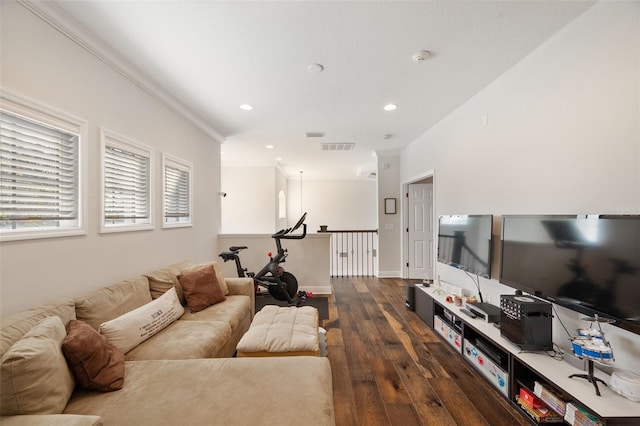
[{"x": 421, "y": 56}]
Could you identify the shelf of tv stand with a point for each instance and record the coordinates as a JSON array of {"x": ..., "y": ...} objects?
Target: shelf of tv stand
[{"x": 610, "y": 407}]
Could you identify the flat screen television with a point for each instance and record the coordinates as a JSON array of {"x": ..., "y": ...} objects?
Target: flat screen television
[
  {"x": 590, "y": 264},
  {"x": 464, "y": 242}
]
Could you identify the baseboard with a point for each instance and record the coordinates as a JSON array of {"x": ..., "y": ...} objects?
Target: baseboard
[
  {"x": 318, "y": 289},
  {"x": 389, "y": 274}
]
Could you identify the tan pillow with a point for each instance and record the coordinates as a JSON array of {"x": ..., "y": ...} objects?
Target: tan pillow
[
  {"x": 16, "y": 326},
  {"x": 201, "y": 287},
  {"x": 163, "y": 279},
  {"x": 34, "y": 376},
  {"x": 129, "y": 330},
  {"x": 96, "y": 364}
]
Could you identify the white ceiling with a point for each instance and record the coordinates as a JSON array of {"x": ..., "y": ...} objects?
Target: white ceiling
[{"x": 213, "y": 56}]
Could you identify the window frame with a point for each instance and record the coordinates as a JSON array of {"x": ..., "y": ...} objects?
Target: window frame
[
  {"x": 177, "y": 163},
  {"x": 111, "y": 138},
  {"x": 38, "y": 112}
]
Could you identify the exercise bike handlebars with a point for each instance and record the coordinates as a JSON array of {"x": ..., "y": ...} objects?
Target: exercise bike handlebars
[{"x": 284, "y": 233}]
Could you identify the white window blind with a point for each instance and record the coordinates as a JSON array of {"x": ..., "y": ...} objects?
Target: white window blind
[
  {"x": 177, "y": 192},
  {"x": 39, "y": 176},
  {"x": 126, "y": 184}
]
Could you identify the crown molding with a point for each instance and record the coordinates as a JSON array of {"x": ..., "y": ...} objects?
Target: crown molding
[{"x": 55, "y": 16}]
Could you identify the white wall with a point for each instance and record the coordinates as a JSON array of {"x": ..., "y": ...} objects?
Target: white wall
[
  {"x": 389, "y": 225},
  {"x": 562, "y": 137},
  {"x": 251, "y": 202},
  {"x": 40, "y": 63},
  {"x": 281, "y": 185},
  {"x": 339, "y": 204}
]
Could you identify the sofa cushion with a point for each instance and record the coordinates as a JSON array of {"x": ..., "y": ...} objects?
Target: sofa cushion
[
  {"x": 129, "y": 330},
  {"x": 16, "y": 326},
  {"x": 184, "y": 340},
  {"x": 245, "y": 287},
  {"x": 201, "y": 287},
  {"x": 222, "y": 391},
  {"x": 163, "y": 279},
  {"x": 34, "y": 375},
  {"x": 112, "y": 301},
  {"x": 95, "y": 363},
  {"x": 232, "y": 310}
]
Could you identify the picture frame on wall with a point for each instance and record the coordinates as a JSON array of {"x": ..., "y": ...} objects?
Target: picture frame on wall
[{"x": 389, "y": 206}]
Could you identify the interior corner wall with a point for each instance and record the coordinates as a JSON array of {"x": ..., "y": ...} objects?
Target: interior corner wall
[
  {"x": 562, "y": 136},
  {"x": 281, "y": 185},
  {"x": 250, "y": 206},
  {"x": 389, "y": 225},
  {"x": 345, "y": 204},
  {"x": 40, "y": 63}
]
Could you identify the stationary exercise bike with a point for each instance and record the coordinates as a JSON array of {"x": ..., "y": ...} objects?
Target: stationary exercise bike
[{"x": 281, "y": 285}]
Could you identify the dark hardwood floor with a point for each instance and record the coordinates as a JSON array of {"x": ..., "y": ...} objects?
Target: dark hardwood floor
[{"x": 389, "y": 368}]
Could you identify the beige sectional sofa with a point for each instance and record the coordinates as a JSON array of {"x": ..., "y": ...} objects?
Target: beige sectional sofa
[{"x": 184, "y": 374}]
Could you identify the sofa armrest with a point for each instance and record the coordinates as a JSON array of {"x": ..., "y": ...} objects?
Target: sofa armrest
[
  {"x": 243, "y": 286},
  {"x": 51, "y": 420}
]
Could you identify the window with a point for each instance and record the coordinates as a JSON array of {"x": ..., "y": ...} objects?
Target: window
[
  {"x": 41, "y": 171},
  {"x": 126, "y": 184},
  {"x": 176, "y": 182}
]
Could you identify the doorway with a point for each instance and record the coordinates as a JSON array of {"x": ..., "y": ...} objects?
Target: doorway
[{"x": 419, "y": 241}]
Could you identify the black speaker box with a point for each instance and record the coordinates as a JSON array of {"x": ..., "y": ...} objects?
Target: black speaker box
[{"x": 526, "y": 322}]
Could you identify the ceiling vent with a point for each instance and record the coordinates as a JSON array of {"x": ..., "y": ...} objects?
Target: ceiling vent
[
  {"x": 315, "y": 134},
  {"x": 338, "y": 146}
]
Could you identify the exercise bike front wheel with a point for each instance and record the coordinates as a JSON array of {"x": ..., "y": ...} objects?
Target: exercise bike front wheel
[{"x": 290, "y": 283}]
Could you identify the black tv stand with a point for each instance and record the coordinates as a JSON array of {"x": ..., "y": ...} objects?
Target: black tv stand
[{"x": 590, "y": 377}]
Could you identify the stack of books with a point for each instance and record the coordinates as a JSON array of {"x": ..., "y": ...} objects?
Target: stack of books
[
  {"x": 539, "y": 413},
  {"x": 550, "y": 397},
  {"x": 577, "y": 416}
]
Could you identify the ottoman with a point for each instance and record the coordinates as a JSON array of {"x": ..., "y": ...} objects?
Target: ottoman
[{"x": 281, "y": 331}]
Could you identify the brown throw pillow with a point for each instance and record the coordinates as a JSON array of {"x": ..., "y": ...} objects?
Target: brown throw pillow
[
  {"x": 223, "y": 284},
  {"x": 201, "y": 287},
  {"x": 96, "y": 364}
]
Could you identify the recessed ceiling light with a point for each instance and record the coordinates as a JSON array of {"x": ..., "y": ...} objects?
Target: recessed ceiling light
[
  {"x": 246, "y": 107},
  {"x": 269, "y": 146},
  {"x": 390, "y": 107},
  {"x": 278, "y": 159}
]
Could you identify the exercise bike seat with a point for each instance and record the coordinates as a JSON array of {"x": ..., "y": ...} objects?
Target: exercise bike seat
[{"x": 237, "y": 248}]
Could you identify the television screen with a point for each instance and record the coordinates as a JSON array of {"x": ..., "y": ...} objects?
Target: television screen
[
  {"x": 464, "y": 242},
  {"x": 587, "y": 263}
]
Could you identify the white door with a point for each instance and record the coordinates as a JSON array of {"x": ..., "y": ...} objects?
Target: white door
[{"x": 420, "y": 231}]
